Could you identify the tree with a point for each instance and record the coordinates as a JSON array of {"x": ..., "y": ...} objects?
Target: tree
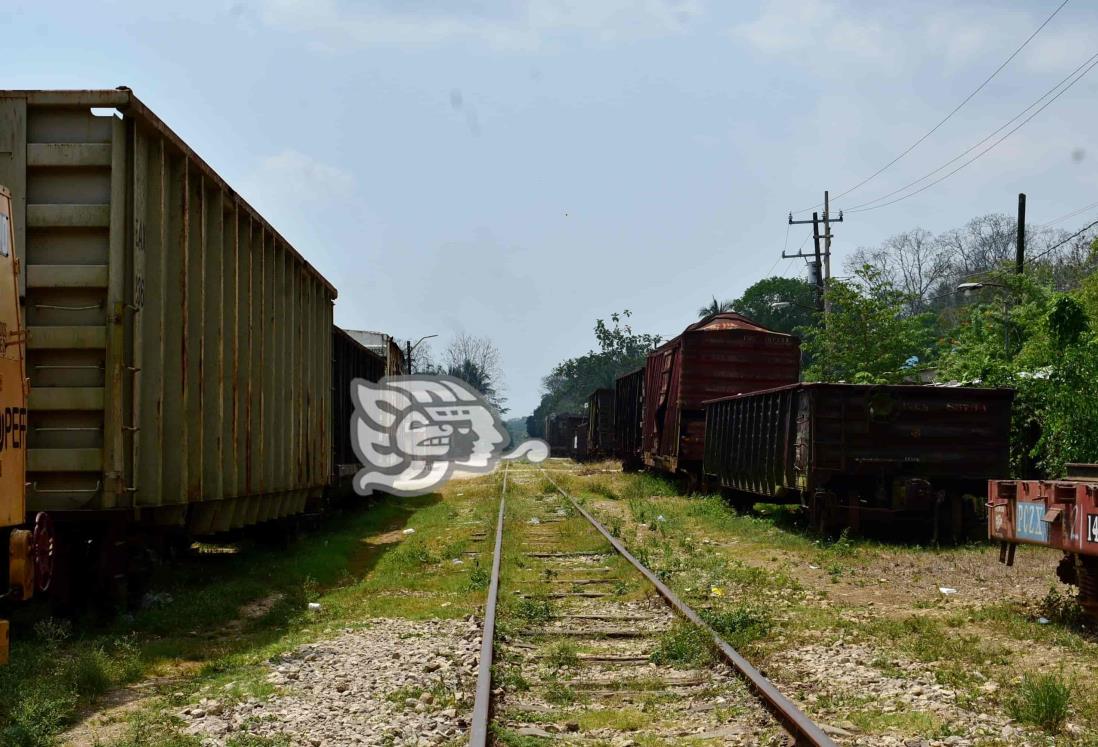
[
  {"x": 476, "y": 361},
  {"x": 714, "y": 307},
  {"x": 913, "y": 261},
  {"x": 795, "y": 300},
  {"x": 869, "y": 336},
  {"x": 568, "y": 385}
]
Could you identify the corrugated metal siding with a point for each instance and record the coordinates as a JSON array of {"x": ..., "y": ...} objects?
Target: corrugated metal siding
[
  {"x": 628, "y": 414},
  {"x": 178, "y": 346}
]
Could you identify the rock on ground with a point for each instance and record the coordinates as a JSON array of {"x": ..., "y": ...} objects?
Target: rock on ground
[{"x": 395, "y": 682}]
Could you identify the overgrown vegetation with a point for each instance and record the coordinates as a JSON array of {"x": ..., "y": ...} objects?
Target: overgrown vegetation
[{"x": 1043, "y": 700}]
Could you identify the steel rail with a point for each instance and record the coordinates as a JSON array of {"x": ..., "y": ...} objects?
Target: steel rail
[
  {"x": 482, "y": 705},
  {"x": 804, "y": 730}
]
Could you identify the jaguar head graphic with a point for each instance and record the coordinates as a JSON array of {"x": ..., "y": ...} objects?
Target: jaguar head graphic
[{"x": 411, "y": 432}]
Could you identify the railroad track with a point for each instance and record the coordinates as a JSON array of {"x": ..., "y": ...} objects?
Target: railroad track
[{"x": 590, "y": 647}]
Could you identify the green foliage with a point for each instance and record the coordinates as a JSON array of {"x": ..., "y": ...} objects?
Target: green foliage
[
  {"x": 685, "y": 644},
  {"x": 714, "y": 307},
  {"x": 535, "y": 610},
  {"x": 868, "y": 337},
  {"x": 570, "y": 382},
  {"x": 1042, "y": 345},
  {"x": 796, "y": 300},
  {"x": 1043, "y": 700}
]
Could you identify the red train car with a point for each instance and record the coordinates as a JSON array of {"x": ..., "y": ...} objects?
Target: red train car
[
  {"x": 721, "y": 355},
  {"x": 1054, "y": 513}
]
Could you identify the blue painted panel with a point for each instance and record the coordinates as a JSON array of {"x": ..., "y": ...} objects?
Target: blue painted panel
[{"x": 1029, "y": 521}]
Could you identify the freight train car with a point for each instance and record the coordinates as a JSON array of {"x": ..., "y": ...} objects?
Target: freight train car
[
  {"x": 350, "y": 360},
  {"x": 720, "y": 355},
  {"x": 1055, "y": 513},
  {"x": 178, "y": 347},
  {"x": 600, "y": 424},
  {"x": 560, "y": 433},
  {"x": 852, "y": 454},
  {"x": 629, "y": 419}
]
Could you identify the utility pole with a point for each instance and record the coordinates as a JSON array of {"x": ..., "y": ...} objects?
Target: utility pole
[
  {"x": 821, "y": 259},
  {"x": 1020, "y": 246},
  {"x": 827, "y": 248}
]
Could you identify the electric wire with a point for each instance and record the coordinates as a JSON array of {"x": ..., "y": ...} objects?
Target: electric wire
[
  {"x": 1086, "y": 67},
  {"x": 1059, "y": 244},
  {"x": 947, "y": 117},
  {"x": 1072, "y": 214}
]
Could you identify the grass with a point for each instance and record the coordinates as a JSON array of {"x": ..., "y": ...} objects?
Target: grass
[
  {"x": 59, "y": 668},
  {"x": 685, "y": 645},
  {"x": 1043, "y": 700}
]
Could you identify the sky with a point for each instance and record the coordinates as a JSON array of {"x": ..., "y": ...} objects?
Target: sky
[{"x": 519, "y": 169}]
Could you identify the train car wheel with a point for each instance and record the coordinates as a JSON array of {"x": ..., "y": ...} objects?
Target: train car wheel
[
  {"x": 43, "y": 549},
  {"x": 1086, "y": 570}
]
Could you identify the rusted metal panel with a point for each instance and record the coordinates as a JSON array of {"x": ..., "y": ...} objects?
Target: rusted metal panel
[
  {"x": 1055, "y": 513},
  {"x": 629, "y": 417},
  {"x": 721, "y": 355},
  {"x": 177, "y": 344},
  {"x": 867, "y": 451}
]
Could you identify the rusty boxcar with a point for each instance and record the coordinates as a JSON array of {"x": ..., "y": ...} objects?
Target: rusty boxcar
[
  {"x": 1055, "y": 513},
  {"x": 600, "y": 424},
  {"x": 856, "y": 454},
  {"x": 720, "y": 355},
  {"x": 178, "y": 347},
  {"x": 350, "y": 360},
  {"x": 628, "y": 419}
]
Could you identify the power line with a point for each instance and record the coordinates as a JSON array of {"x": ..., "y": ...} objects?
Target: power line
[
  {"x": 1059, "y": 244},
  {"x": 1088, "y": 65},
  {"x": 949, "y": 116},
  {"x": 1072, "y": 214}
]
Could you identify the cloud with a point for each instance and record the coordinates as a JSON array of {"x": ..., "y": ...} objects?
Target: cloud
[
  {"x": 800, "y": 25},
  {"x": 519, "y": 25}
]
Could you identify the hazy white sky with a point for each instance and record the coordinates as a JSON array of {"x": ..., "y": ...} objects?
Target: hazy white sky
[{"x": 517, "y": 169}]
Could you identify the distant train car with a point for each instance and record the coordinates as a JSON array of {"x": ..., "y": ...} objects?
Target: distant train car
[
  {"x": 579, "y": 441},
  {"x": 1055, "y": 513},
  {"x": 629, "y": 419},
  {"x": 600, "y": 424},
  {"x": 907, "y": 456},
  {"x": 720, "y": 355},
  {"x": 350, "y": 360},
  {"x": 560, "y": 433}
]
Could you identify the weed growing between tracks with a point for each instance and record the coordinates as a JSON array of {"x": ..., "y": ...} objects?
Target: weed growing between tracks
[
  {"x": 787, "y": 590},
  {"x": 218, "y": 617}
]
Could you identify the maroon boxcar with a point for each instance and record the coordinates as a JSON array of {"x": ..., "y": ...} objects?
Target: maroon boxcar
[
  {"x": 1055, "y": 513},
  {"x": 629, "y": 419},
  {"x": 857, "y": 454},
  {"x": 600, "y": 424},
  {"x": 720, "y": 355}
]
